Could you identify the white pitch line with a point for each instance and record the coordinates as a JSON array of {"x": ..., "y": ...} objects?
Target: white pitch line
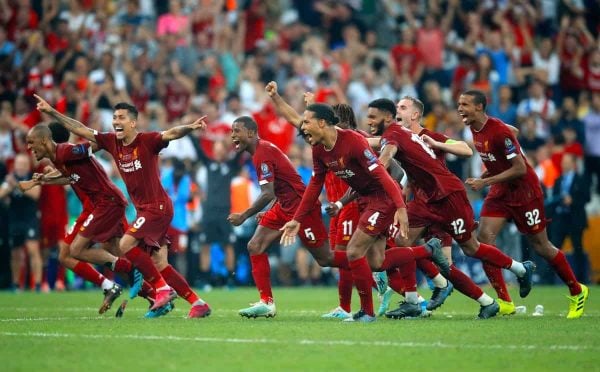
[{"x": 305, "y": 342}]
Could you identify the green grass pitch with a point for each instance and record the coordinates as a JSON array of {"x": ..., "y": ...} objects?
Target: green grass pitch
[{"x": 63, "y": 331}]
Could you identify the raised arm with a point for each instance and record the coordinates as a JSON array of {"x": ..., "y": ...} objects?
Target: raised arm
[
  {"x": 182, "y": 130},
  {"x": 267, "y": 195},
  {"x": 72, "y": 125},
  {"x": 282, "y": 106},
  {"x": 458, "y": 148}
]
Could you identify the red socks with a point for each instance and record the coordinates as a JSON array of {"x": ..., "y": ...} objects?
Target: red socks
[
  {"x": 427, "y": 267},
  {"x": 122, "y": 265},
  {"x": 494, "y": 274},
  {"x": 261, "y": 272},
  {"x": 179, "y": 284},
  {"x": 396, "y": 257},
  {"x": 345, "y": 285},
  {"x": 420, "y": 252},
  {"x": 489, "y": 253},
  {"x": 361, "y": 273},
  {"x": 563, "y": 269},
  {"x": 143, "y": 262},
  {"x": 464, "y": 284},
  {"x": 340, "y": 259},
  {"x": 395, "y": 281},
  {"x": 87, "y": 272}
]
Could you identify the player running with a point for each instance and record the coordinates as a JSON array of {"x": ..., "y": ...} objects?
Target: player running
[
  {"x": 348, "y": 155},
  {"x": 343, "y": 224},
  {"x": 444, "y": 203},
  {"x": 101, "y": 222},
  {"x": 136, "y": 155},
  {"x": 515, "y": 193}
]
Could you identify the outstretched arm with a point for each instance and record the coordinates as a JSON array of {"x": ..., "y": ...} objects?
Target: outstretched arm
[
  {"x": 282, "y": 106},
  {"x": 182, "y": 130},
  {"x": 458, "y": 148},
  {"x": 72, "y": 125}
]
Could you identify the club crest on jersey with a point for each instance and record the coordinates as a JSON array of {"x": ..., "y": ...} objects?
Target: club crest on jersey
[
  {"x": 73, "y": 178},
  {"x": 370, "y": 156},
  {"x": 264, "y": 168}
]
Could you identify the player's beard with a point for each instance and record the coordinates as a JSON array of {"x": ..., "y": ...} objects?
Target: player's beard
[{"x": 380, "y": 128}]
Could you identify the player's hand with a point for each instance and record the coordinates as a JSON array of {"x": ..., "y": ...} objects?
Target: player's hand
[
  {"x": 401, "y": 220},
  {"x": 27, "y": 185},
  {"x": 309, "y": 98},
  {"x": 290, "y": 230},
  {"x": 271, "y": 89},
  {"x": 236, "y": 219},
  {"x": 42, "y": 105},
  {"x": 332, "y": 210},
  {"x": 476, "y": 184},
  {"x": 429, "y": 141},
  {"x": 198, "y": 124},
  {"x": 567, "y": 200},
  {"x": 260, "y": 215}
]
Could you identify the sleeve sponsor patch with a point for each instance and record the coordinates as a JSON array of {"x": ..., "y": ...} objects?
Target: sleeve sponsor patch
[
  {"x": 264, "y": 169},
  {"x": 371, "y": 158},
  {"x": 78, "y": 149},
  {"x": 509, "y": 146}
]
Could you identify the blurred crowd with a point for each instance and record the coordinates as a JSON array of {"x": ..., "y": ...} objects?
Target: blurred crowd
[{"x": 537, "y": 60}]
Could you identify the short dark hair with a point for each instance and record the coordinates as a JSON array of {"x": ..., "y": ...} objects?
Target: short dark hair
[
  {"x": 384, "y": 104},
  {"x": 41, "y": 131},
  {"x": 417, "y": 103},
  {"x": 131, "y": 110},
  {"x": 323, "y": 112},
  {"x": 60, "y": 134},
  {"x": 479, "y": 97},
  {"x": 346, "y": 114},
  {"x": 247, "y": 122}
]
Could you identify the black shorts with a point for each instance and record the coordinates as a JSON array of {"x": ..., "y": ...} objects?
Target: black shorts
[
  {"x": 21, "y": 231},
  {"x": 217, "y": 231}
]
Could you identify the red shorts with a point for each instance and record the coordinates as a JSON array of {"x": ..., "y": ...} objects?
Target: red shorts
[
  {"x": 436, "y": 232},
  {"x": 530, "y": 218},
  {"x": 151, "y": 225},
  {"x": 312, "y": 230},
  {"x": 100, "y": 224},
  {"x": 376, "y": 214},
  {"x": 341, "y": 227},
  {"x": 452, "y": 214}
]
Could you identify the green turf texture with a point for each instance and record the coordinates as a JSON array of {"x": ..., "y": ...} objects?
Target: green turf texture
[{"x": 63, "y": 331}]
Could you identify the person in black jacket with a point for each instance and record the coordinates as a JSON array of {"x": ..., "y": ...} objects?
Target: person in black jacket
[{"x": 569, "y": 196}]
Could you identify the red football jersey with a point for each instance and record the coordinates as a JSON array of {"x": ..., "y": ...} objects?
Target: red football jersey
[
  {"x": 421, "y": 163},
  {"x": 273, "y": 166},
  {"x": 496, "y": 145},
  {"x": 87, "y": 176},
  {"x": 138, "y": 165},
  {"x": 352, "y": 160},
  {"x": 335, "y": 187}
]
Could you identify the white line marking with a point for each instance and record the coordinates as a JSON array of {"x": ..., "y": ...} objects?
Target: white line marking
[{"x": 418, "y": 345}]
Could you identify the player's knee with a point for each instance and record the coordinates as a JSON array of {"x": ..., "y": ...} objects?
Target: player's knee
[
  {"x": 254, "y": 247},
  {"x": 76, "y": 250},
  {"x": 353, "y": 254},
  {"x": 323, "y": 261},
  {"x": 486, "y": 237}
]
